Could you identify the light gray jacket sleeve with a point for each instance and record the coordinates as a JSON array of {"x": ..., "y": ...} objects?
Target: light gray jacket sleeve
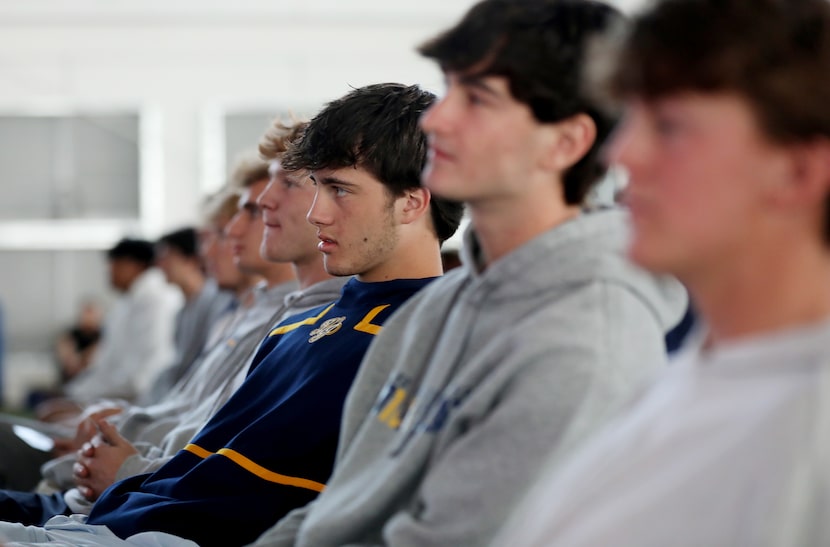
[
  {"x": 284, "y": 534},
  {"x": 73, "y": 531}
]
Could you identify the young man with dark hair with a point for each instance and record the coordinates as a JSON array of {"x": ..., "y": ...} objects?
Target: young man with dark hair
[
  {"x": 524, "y": 349},
  {"x": 271, "y": 447},
  {"x": 138, "y": 340},
  {"x": 360, "y": 132},
  {"x": 727, "y": 142},
  {"x": 185, "y": 241}
]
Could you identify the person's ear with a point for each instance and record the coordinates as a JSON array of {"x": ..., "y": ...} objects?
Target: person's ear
[
  {"x": 567, "y": 141},
  {"x": 808, "y": 175},
  {"x": 414, "y": 204}
]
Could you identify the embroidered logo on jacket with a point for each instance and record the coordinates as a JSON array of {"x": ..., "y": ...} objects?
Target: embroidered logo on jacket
[
  {"x": 429, "y": 412},
  {"x": 329, "y": 327},
  {"x": 393, "y": 401}
]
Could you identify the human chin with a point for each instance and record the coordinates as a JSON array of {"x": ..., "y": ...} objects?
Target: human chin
[
  {"x": 333, "y": 266},
  {"x": 441, "y": 181},
  {"x": 272, "y": 253},
  {"x": 270, "y": 240},
  {"x": 649, "y": 251}
]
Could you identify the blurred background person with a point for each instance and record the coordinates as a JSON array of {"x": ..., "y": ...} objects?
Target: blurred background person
[
  {"x": 177, "y": 255},
  {"x": 74, "y": 349},
  {"x": 136, "y": 343},
  {"x": 138, "y": 335},
  {"x": 76, "y": 346}
]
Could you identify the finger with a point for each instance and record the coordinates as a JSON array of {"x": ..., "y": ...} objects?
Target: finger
[
  {"x": 98, "y": 440},
  {"x": 107, "y": 412},
  {"x": 109, "y": 433},
  {"x": 84, "y": 452},
  {"x": 63, "y": 443},
  {"x": 87, "y": 492},
  {"x": 80, "y": 470},
  {"x": 87, "y": 449},
  {"x": 86, "y": 428}
]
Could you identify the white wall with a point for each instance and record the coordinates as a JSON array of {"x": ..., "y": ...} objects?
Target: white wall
[{"x": 182, "y": 61}]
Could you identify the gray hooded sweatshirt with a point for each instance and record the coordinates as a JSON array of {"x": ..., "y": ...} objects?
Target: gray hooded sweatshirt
[{"x": 479, "y": 380}]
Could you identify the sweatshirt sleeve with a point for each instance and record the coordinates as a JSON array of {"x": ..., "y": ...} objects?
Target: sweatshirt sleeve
[{"x": 285, "y": 533}]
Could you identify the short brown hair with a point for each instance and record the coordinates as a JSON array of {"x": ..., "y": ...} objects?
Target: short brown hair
[
  {"x": 276, "y": 139},
  {"x": 539, "y": 47},
  {"x": 220, "y": 207},
  {"x": 247, "y": 171},
  {"x": 775, "y": 53}
]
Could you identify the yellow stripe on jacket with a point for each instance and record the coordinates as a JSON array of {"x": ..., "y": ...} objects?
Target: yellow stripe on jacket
[{"x": 257, "y": 469}]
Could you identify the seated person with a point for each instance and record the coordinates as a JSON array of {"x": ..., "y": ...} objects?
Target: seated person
[
  {"x": 138, "y": 334},
  {"x": 524, "y": 351},
  {"x": 270, "y": 448},
  {"x": 727, "y": 142},
  {"x": 74, "y": 349},
  {"x": 296, "y": 243},
  {"x": 137, "y": 342},
  {"x": 177, "y": 255},
  {"x": 266, "y": 294}
]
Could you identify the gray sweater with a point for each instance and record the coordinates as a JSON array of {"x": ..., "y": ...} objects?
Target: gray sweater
[
  {"x": 194, "y": 323},
  {"x": 480, "y": 379}
]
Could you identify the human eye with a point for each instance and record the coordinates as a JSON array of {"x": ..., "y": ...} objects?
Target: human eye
[
  {"x": 667, "y": 126},
  {"x": 669, "y": 122},
  {"x": 252, "y": 209},
  {"x": 339, "y": 191},
  {"x": 475, "y": 98}
]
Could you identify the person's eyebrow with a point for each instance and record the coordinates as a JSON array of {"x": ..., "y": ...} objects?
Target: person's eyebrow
[
  {"x": 477, "y": 82},
  {"x": 332, "y": 180},
  {"x": 293, "y": 178}
]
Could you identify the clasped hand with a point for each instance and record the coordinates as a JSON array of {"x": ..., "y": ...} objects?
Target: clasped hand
[{"x": 99, "y": 460}]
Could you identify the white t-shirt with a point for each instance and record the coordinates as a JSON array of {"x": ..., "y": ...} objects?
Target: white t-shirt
[
  {"x": 728, "y": 448},
  {"x": 137, "y": 342}
]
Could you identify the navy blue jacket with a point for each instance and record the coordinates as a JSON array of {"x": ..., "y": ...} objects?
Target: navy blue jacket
[{"x": 271, "y": 448}]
